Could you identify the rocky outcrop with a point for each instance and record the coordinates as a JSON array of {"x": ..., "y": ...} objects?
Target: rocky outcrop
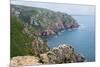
[
  {"x": 62, "y": 54},
  {"x": 21, "y": 61}
]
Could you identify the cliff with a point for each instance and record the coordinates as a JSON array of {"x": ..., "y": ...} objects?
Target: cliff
[
  {"x": 29, "y": 25},
  {"x": 48, "y": 21}
]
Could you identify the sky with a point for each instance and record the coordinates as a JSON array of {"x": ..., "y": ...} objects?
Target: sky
[{"x": 71, "y": 9}]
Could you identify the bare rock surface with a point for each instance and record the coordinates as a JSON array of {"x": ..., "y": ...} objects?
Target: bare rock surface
[
  {"x": 62, "y": 54},
  {"x": 21, "y": 61}
]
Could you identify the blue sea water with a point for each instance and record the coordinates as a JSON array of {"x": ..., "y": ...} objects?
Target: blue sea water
[{"x": 82, "y": 39}]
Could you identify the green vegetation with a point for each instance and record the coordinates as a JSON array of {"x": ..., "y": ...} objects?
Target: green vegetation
[
  {"x": 25, "y": 42},
  {"x": 20, "y": 42}
]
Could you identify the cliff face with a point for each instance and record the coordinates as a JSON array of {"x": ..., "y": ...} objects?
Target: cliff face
[{"x": 50, "y": 22}]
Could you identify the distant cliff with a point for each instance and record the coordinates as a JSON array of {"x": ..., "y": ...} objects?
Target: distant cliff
[{"x": 49, "y": 22}]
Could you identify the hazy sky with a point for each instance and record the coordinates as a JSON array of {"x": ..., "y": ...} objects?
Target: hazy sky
[{"x": 67, "y": 8}]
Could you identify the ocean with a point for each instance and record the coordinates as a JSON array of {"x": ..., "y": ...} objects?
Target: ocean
[{"x": 82, "y": 39}]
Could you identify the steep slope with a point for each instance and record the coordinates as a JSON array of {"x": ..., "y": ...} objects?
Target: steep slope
[{"x": 24, "y": 42}]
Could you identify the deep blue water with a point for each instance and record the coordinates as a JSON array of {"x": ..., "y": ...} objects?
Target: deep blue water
[{"x": 82, "y": 39}]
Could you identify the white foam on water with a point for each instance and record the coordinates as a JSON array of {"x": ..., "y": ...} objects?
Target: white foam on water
[{"x": 82, "y": 27}]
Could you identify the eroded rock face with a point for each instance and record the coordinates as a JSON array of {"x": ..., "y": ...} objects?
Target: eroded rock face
[
  {"x": 61, "y": 54},
  {"x": 58, "y": 27},
  {"x": 21, "y": 61},
  {"x": 49, "y": 21}
]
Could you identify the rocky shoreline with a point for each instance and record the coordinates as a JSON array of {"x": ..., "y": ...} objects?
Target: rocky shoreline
[
  {"x": 62, "y": 54},
  {"x": 53, "y": 30}
]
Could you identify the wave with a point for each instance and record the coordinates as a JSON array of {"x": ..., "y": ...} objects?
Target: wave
[{"x": 82, "y": 27}]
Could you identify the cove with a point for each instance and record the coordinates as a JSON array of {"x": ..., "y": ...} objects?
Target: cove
[{"x": 82, "y": 39}]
